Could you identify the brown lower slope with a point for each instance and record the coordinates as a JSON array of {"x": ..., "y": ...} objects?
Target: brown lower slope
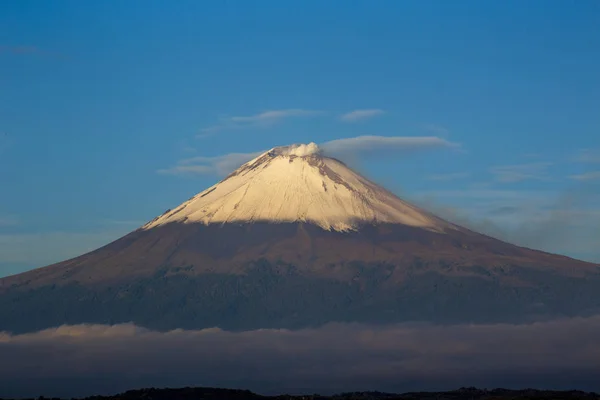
[
  {"x": 195, "y": 249},
  {"x": 297, "y": 275}
]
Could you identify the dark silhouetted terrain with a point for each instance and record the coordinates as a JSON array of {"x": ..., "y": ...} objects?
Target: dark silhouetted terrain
[{"x": 229, "y": 394}]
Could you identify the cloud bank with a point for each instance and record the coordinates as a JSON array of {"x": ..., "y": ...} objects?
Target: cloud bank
[{"x": 87, "y": 359}]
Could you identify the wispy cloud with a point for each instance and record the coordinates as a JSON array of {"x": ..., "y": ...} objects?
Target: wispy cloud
[
  {"x": 521, "y": 172},
  {"x": 587, "y": 176},
  {"x": 263, "y": 119},
  {"x": 565, "y": 223},
  {"x": 588, "y": 156},
  {"x": 218, "y": 165},
  {"x": 384, "y": 144},
  {"x": 358, "y": 115},
  {"x": 8, "y": 220},
  {"x": 207, "y": 132},
  {"x": 452, "y": 176},
  {"x": 126, "y": 222},
  {"x": 67, "y": 361},
  {"x": 44, "y": 248},
  {"x": 275, "y": 115},
  {"x": 349, "y": 147}
]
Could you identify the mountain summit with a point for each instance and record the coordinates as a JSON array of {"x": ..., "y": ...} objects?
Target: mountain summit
[
  {"x": 297, "y": 184},
  {"x": 293, "y": 239}
]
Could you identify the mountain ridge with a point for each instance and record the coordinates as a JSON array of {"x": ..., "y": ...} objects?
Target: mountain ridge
[{"x": 202, "y": 265}]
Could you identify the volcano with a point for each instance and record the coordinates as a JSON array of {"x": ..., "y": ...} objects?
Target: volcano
[{"x": 295, "y": 239}]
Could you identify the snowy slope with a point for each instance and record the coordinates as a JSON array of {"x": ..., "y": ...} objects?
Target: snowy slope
[{"x": 297, "y": 184}]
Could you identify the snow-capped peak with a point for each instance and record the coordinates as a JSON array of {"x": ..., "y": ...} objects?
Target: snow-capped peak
[{"x": 297, "y": 184}]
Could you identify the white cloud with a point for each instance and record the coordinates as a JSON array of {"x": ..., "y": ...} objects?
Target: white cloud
[
  {"x": 521, "y": 172},
  {"x": 358, "y": 115},
  {"x": 379, "y": 144},
  {"x": 275, "y": 115},
  {"x": 263, "y": 119},
  {"x": 218, "y": 165},
  {"x": 302, "y": 150},
  {"x": 588, "y": 176}
]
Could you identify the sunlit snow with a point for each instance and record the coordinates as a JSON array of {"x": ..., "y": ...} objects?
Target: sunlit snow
[{"x": 296, "y": 184}]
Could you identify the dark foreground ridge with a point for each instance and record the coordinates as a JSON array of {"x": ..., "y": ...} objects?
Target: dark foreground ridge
[{"x": 232, "y": 394}]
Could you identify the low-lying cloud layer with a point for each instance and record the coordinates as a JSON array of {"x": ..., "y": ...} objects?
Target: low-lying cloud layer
[{"x": 81, "y": 360}]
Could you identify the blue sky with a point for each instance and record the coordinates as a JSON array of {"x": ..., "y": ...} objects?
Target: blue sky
[{"x": 102, "y": 102}]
